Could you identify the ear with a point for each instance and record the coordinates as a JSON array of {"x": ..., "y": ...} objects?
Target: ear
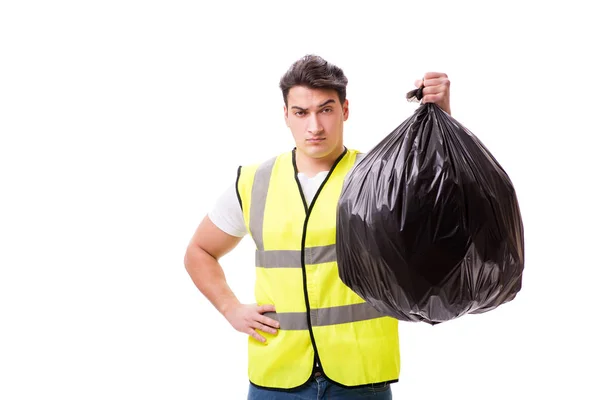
[
  {"x": 285, "y": 115},
  {"x": 345, "y": 109}
]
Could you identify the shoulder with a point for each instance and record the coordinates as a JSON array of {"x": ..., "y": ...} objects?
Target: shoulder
[
  {"x": 356, "y": 154},
  {"x": 358, "y": 157},
  {"x": 247, "y": 171}
]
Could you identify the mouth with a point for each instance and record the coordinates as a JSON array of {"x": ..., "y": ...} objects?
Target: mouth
[{"x": 315, "y": 140}]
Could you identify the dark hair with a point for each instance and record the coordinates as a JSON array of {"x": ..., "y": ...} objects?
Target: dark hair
[{"x": 314, "y": 72}]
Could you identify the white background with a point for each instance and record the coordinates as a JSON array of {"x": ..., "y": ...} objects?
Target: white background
[{"x": 122, "y": 122}]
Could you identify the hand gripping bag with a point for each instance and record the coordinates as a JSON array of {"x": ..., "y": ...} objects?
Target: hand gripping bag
[{"x": 428, "y": 223}]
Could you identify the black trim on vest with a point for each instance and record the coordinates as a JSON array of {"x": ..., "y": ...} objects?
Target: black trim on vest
[
  {"x": 329, "y": 379},
  {"x": 237, "y": 189},
  {"x": 297, "y": 181},
  {"x": 302, "y": 257}
]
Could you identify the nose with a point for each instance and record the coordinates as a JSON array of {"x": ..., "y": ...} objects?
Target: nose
[{"x": 314, "y": 126}]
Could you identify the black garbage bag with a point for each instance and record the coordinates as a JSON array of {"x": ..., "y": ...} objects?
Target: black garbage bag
[{"x": 428, "y": 224}]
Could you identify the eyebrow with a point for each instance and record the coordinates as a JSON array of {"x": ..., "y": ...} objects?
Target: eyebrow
[{"x": 319, "y": 106}]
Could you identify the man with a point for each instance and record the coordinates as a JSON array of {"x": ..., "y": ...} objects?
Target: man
[{"x": 310, "y": 335}]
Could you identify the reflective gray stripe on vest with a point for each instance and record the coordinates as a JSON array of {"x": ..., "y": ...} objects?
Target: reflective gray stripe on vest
[
  {"x": 291, "y": 258},
  {"x": 259, "y": 201},
  {"x": 294, "y": 321},
  {"x": 320, "y": 254},
  {"x": 291, "y": 321},
  {"x": 278, "y": 259}
]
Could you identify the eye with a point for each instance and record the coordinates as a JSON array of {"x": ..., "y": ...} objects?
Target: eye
[
  {"x": 299, "y": 113},
  {"x": 327, "y": 110}
]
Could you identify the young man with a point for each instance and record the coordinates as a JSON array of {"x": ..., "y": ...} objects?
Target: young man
[{"x": 310, "y": 335}]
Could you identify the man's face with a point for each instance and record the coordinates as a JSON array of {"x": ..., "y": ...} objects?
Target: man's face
[{"x": 316, "y": 119}]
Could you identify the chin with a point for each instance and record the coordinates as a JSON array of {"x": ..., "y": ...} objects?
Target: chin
[{"x": 316, "y": 153}]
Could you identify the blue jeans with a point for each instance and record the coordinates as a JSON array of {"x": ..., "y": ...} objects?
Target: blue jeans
[{"x": 320, "y": 388}]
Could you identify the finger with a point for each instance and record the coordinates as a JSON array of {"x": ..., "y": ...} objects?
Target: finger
[
  {"x": 266, "y": 308},
  {"x": 255, "y": 335},
  {"x": 264, "y": 328},
  {"x": 435, "y": 90},
  {"x": 435, "y": 75},
  {"x": 432, "y": 98},
  {"x": 267, "y": 321},
  {"x": 437, "y": 82},
  {"x": 419, "y": 83}
]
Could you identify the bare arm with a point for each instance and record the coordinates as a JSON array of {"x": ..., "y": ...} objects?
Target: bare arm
[{"x": 206, "y": 247}]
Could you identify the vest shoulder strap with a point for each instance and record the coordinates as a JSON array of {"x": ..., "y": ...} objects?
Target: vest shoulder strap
[{"x": 252, "y": 180}]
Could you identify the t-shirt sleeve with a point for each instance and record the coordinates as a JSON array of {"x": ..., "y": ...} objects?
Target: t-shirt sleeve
[{"x": 227, "y": 213}]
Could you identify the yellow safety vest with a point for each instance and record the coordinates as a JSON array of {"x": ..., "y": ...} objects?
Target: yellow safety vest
[{"x": 296, "y": 271}]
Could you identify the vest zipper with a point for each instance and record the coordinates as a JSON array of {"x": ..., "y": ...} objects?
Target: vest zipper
[{"x": 308, "y": 210}]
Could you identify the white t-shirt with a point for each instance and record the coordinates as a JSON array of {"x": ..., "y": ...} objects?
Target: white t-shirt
[{"x": 227, "y": 213}]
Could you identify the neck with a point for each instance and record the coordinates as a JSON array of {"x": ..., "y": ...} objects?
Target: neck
[{"x": 311, "y": 166}]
